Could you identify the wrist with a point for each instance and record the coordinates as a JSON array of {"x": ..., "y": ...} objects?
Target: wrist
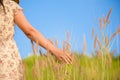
[{"x": 52, "y": 49}]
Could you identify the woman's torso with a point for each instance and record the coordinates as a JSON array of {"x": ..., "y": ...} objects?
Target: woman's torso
[{"x": 10, "y": 61}]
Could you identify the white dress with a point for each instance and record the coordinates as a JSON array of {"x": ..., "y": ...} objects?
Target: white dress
[{"x": 10, "y": 61}]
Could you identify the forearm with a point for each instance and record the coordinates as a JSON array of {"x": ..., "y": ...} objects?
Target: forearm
[
  {"x": 33, "y": 34},
  {"x": 36, "y": 36},
  {"x": 42, "y": 41}
]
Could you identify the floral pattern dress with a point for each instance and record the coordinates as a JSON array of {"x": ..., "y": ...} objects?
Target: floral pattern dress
[{"x": 10, "y": 61}]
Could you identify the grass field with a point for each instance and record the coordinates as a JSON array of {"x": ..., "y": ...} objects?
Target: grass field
[
  {"x": 83, "y": 68},
  {"x": 102, "y": 65}
]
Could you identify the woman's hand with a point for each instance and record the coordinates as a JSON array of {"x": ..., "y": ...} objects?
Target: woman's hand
[
  {"x": 63, "y": 56},
  {"x": 36, "y": 36}
]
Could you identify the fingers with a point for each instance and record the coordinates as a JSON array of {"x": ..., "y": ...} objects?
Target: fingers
[
  {"x": 66, "y": 58},
  {"x": 68, "y": 61},
  {"x": 69, "y": 57}
]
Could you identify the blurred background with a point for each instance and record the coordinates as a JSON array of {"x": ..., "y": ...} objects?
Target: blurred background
[{"x": 54, "y": 18}]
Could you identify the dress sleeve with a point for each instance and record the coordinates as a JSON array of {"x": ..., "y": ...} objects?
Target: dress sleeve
[{"x": 15, "y": 7}]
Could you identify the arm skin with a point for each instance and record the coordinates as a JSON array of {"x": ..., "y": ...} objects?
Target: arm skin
[{"x": 36, "y": 36}]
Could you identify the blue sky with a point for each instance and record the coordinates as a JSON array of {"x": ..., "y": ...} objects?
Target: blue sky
[{"x": 53, "y": 18}]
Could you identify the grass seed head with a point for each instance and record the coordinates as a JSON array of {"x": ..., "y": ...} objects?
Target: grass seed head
[
  {"x": 108, "y": 16},
  {"x": 84, "y": 44},
  {"x": 100, "y": 21},
  {"x": 115, "y": 34},
  {"x": 93, "y": 32},
  {"x": 95, "y": 41},
  {"x": 106, "y": 41}
]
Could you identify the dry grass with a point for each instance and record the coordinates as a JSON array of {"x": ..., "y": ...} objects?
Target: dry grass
[
  {"x": 92, "y": 32},
  {"x": 101, "y": 66},
  {"x": 84, "y": 44}
]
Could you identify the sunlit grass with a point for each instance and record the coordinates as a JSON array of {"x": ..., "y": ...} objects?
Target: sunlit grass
[
  {"x": 83, "y": 68},
  {"x": 102, "y": 65}
]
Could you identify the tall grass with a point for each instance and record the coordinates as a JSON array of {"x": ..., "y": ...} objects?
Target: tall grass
[
  {"x": 83, "y": 68},
  {"x": 101, "y": 66}
]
